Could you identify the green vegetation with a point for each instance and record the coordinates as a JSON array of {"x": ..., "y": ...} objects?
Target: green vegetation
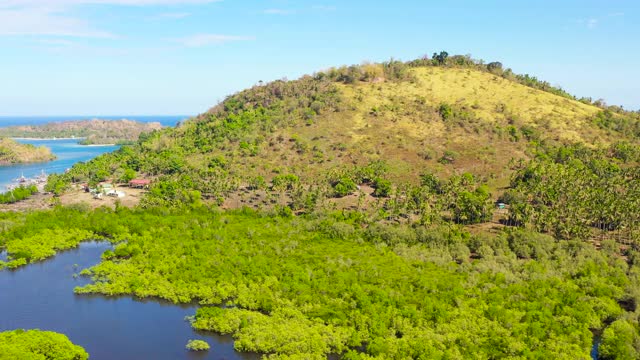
[
  {"x": 197, "y": 345},
  {"x": 572, "y": 191},
  {"x": 303, "y": 143},
  {"x": 93, "y": 132},
  {"x": 18, "y": 194},
  {"x": 360, "y": 217},
  {"x": 314, "y": 285},
  {"x": 38, "y": 345},
  {"x": 13, "y": 152},
  {"x": 620, "y": 341}
]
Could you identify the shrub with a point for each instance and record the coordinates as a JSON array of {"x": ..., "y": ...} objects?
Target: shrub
[
  {"x": 382, "y": 187},
  {"x": 257, "y": 183},
  {"x": 446, "y": 112},
  {"x": 197, "y": 345},
  {"x": 344, "y": 187},
  {"x": 448, "y": 157},
  {"x": 284, "y": 182},
  {"x": 620, "y": 341},
  {"x": 18, "y": 194},
  {"x": 431, "y": 183}
]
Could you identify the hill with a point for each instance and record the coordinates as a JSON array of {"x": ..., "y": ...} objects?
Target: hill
[
  {"x": 93, "y": 131},
  {"x": 13, "y": 152},
  {"x": 375, "y": 232},
  {"x": 439, "y": 116}
]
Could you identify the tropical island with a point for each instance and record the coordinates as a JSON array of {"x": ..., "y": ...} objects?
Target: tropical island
[
  {"x": 443, "y": 207},
  {"x": 92, "y": 132},
  {"x": 13, "y": 152}
]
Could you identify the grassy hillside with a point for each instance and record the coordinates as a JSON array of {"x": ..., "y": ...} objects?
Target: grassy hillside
[
  {"x": 93, "y": 131},
  {"x": 448, "y": 118},
  {"x": 12, "y": 152}
]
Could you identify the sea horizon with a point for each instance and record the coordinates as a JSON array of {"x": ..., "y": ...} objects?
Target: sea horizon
[{"x": 165, "y": 120}]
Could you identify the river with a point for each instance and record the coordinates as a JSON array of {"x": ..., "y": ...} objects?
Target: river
[
  {"x": 40, "y": 296},
  {"x": 68, "y": 152}
]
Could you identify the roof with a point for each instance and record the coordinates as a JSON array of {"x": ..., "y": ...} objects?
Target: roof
[{"x": 140, "y": 182}]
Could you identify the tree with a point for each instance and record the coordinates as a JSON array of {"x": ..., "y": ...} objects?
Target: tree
[
  {"x": 441, "y": 58},
  {"x": 620, "y": 341},
  {"x": 345, "y": 186},
  {"x": 472, "y": 207},
  {"x": 382, "y": 187},
  {"x": 494, "y": 67},
  {"x": 197, "y": 345},
  {"x": 127, "y": 175}
]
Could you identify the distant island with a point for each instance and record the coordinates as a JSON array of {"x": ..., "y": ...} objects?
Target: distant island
[
  {"x": 92, "y": 132},
  {"x": 13, "y": 152}
]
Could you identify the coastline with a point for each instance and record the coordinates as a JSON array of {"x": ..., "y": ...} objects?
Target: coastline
[
  {"x": 61, "y": 139},
  {"x": 47, "y": 139},
  {"x": 8, "y": 164}
]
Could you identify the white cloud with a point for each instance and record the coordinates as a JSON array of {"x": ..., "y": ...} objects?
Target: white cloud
[
  {"x": 63, "y": 3},
  {"x": 592, "y": 23},
  {"x": 53, "y": 18},
  {"x": 199, "y": 40},
  {"x": 46, "y": 22}
]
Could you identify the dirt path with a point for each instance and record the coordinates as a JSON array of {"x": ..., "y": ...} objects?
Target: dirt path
[{"x": 76, "y": 196}]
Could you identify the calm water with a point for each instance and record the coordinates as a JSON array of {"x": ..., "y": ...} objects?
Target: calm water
[
  {"x": 38, "y": 120},
  {"x": 40, "y": 296},
  {"x": 68, "y": 152}
]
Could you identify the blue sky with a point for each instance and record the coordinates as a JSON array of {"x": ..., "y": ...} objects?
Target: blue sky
[{"x": 164, "y": 57}]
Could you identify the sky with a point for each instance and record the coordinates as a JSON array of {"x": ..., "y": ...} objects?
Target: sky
[{"x": 181, "y": 57}]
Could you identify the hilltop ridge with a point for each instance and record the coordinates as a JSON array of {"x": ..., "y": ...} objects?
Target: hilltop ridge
[
  {"x": 393, "y": 122},
  {"x": 93, "y": 131}
]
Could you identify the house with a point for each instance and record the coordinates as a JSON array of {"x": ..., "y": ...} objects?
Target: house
[{"x": 139, "y": 183}]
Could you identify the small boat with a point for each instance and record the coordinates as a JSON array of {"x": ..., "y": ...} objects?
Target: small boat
[
  {"x": 21, "y": 179},
  {"x": 42, "y": 178}
]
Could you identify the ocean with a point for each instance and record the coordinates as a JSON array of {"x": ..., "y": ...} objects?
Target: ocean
[
  {"x": 39, "y": 120},
  {"x": 68, "y": 152}
]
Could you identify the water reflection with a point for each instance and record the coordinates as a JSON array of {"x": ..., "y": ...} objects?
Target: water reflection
[{"x": 40, "y": 296}]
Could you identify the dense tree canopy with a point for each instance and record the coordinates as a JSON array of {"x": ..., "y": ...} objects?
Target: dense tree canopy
[
  {"x": 38, "y": 345},
  {"x": 310, "y": 286}
]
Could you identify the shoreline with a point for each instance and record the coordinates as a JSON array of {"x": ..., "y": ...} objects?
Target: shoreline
[
  {"x": 61, "y": 139},
  {"x": 47, "y": 139}
]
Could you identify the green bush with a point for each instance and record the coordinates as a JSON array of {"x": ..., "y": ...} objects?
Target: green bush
[
  {"x": 343, "y": 187},
  {"x": 36, "y": 344},
  {"x": 18, "y": 194},
  {"x": 284, "y": 182},
  {"x": 448, "y": 157},
  {"x": 445, "y": 111},
  {"x": 197, "y": 345},
  {"x": 620, "y": 341},
  {"x": 382, "y": 187}
]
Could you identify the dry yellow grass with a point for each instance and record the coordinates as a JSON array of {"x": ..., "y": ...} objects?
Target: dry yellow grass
[
  {"x": 13, "y": 152},
  {"x": 398, "y": 122},
  {"x": 491, "y": 98}
]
